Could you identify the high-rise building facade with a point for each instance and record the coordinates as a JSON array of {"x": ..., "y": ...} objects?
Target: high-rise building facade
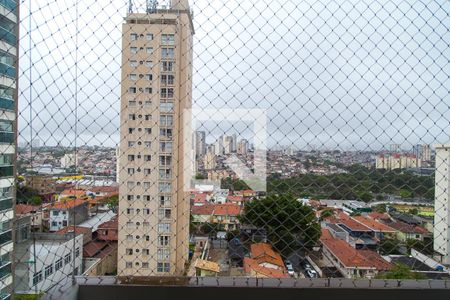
[
  {"x": 442, "y": 203},
  {"x": 200, "y": 143},
  {"x": 156, "y": 91},
  {"x": 9, "y": 19}
]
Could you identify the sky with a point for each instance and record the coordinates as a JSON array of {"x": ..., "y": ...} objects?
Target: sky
[{"x": 349, "y": 75}]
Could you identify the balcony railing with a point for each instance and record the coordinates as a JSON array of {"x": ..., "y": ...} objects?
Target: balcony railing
[
  {"x": 9, "y": 4},
  {"x": 6, "y": 137},
  {"x": 6, "y": 103},
  {"x": 8, "y": 36},
  {"x": 7, "y": 70}
]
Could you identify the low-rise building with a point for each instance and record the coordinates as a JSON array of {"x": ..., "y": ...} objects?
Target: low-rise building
[
  {"x": 67, "y": 212},
  {"x": 264, "y": 262},
  {"x": 352, "y": 263},
  {"x": 206, "y": 268}
]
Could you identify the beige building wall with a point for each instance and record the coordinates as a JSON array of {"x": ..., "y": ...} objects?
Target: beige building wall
[{"x": 156, "y": 89}]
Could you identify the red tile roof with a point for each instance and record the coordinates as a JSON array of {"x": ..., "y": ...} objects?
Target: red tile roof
[
  {"x": 104, "y": 189},
  {"x": 252, "y": 265},
  {"x": 373, "y": 224},
  {"x": 263, "y": 253},
  {"x": 200, "y": 198},
  {"x": 202, "y": 210},
  {"x": 406, "y": 228},
  {"x": 227, "y": 209},
  {"x": 23, "y": 209},
  {"x": 111, "y": 224},
  {"x": 235, "y": 198},
  {"x": 352, "y": 258},
  {"x": 93, "y": 248},
  {"x": 73, "y": 192},
  {"x": 78, "y": 230},
  {"x": 353, "y": 225},
  {"x": 378, "y": 216},
  {"x": 66, "y": 204}
]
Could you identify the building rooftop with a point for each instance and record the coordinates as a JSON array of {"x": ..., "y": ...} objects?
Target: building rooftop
[
  {"x": 207, "y": 265},
  {"x": 374, "y": 225},
  {"x": 98, "y": 220},
  {"x": 23, "y": 209},
  {"x": 352, "y": 258},
  {"x": 66, "y": 204}
]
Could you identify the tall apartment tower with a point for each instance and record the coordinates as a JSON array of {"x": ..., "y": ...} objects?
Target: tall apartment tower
[
  {"x": 442, "y": 203},
  {"x": 156, "y": 90},
  {"x": 9, "y": 19},
  {"x": 200, "y": 143}
]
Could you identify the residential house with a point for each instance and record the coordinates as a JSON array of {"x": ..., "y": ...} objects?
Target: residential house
[
  {"x": 206, "y": 268},
  {"x": 264, "y": 262},
  {"x": 67, "y": 212},
  {"x": 351, "y": 262}
]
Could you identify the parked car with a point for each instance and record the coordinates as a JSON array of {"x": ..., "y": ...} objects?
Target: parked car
[
  {"x": 289, "y": 267},
  {"x": 311, "y": 273}
]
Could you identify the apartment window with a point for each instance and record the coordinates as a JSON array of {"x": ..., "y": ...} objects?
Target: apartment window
[
  {"x": 67, "y": 258},
  {"x": 146, "y": 185},
  {"x": 149, "y": 50},
  {"x": 148, "y": 90},
  {"x": 148, "y": 117},
  {"x": 58, "y": 264},
  {"x": 37, "y": 277},
  {"x": 167, "y": 79},
  {"x": 163, "y": 240},
  {"x": 132, "y": 103},
  {"x": 163, "y": 254},
  {"x": 48, "y": 271},
  {"x": 149, "y": 77},
  {"x": 147, "y": 157},
  {"x": 129, "y": 237},
  {"x": 165, "y": 146},
  {"x": 132, "y": 90},
  {"x": 165, "y": 133},
  {"x": 133, "y": 63},
  {"x": 145, "y": 265},
  {"x": 147, "y": 144},
  {"x": 149, "y": 36},
  {"x": 133, "y": 77},
  {"x": 166, "y": 120},
  {"x": 167, "y": 93},
  {"x": 131, "y": 130},
  {"x": 167, "y": 66},
  {"x": 147, "y": 171},
  {"x": 77, "y": 252},
  {"x": 167, "y": 53},
  {"x": 165, "y": 174},
  {"x": 167, "y": 39},
  {"x": 130, "y": 184},
  {"x": 164, "y": 200},
  {"x": 130, "y": 197},
  {"x": 147, "y": 104},
  {"x": 131, "y": 157},
  {"x": 145, "y": 251},
  {"x": 133, "y": 36},
  {"x": 147, "y": 238},
  {"x": 165, "y": 160},
  {"x": 164, "y": 227},
  {"x": 131, "y": 143},
  {"x": 163, "y": 267},
  {"x": 149, "y": 64},
  {"x": 128, "y": 264},
  {"x": 132, "y": 117},
  {"x": 133, "y": 50},
  {"x": 147, "y": 197},
  {"x": 129, "y": 251},
  {"x": 164, "y": 213},
  {"x": 130, "y": 211},
  {"x": 148, "y": 131},
  {"x": 146, "y": 211},
  {"x": 130, "y": 171}
]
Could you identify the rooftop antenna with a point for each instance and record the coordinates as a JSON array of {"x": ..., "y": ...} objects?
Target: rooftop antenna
[
  {"x": 152, "y": 5},
  {"x": 130, "y": 6}
]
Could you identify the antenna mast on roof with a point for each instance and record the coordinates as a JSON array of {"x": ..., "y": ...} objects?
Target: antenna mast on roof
[
  {"x": 130, "y": 6},
  {"x": 151, "y": 5}
]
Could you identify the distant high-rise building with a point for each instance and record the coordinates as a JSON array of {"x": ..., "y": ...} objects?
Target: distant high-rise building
[
  {"x": 233, "y": 142},
  {"x": 227, "y": 144},
  {"x": 209, "y": 161},
  {"x": 418, "y": 150},
  {"x": 218, "y": 147},
  {"x": 397, "y": 161},
  {"x": 442, "y": 203},
  {"x": 68, "y": 160},
  {"x": 394, "y": 148},
  {"x": 156, "y": 92},
  {"x": 9, "y": 44},
  {"x": 200, "y": 143},
  {"x": 242, "y": 147},
  {"x": 426, "y": 153}
]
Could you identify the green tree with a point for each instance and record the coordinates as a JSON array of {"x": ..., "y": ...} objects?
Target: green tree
[
  {"x": 404, "y": 193},
  {"x": 381, "y": 208},
  {"x": 326, "y": 213},
  {"x": 401, "y": 271},
  {"x": 35, "y": 200},
  {"x": 113, "y": 201},
  {"x": 288, "y": 222},
  {"x": 200, "y": 176}
]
